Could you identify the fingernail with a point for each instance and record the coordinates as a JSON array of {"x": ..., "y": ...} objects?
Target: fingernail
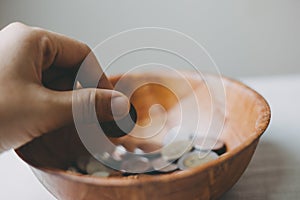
[{"x": 119, "y": 105}]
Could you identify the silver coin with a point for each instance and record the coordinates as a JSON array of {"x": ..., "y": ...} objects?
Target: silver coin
[
  {"x": 177, "y": 133},
  {"x": 119, "y": 153},
  {"x": 101, "y": 174},
  {"x": 196, "y": 158},
  {"x": 152, "y": 155},
  {"x": 159, "y": 163},
  {"x": 176, "y": 149},
  {"x": 170, "y": 168},
  {"x": 103, "y": 156},
  {"x": 72, "y": 169},
  {"x": 109, "y": 160},
  {"x": 207, "y": 144},
  {"x": 81, "y": 162},
  {"x": 136, "y": 164},
  {"x": 95, "y": 165},
  {"x": 138, "y": 151}
]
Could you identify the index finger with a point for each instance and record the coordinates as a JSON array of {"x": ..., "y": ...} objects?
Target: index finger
[
  {"x": 47, "y": 50},
  {"x": 70, "y": 53}
]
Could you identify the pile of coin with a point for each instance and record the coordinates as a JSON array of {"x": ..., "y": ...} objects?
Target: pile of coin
[{"x": 177, "y": 155}]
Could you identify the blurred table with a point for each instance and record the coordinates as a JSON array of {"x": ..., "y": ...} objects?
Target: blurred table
[{"x": 273, "y": 173}]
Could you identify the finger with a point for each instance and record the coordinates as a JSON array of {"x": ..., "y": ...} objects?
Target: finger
[
  {"x": 52, "y": 74},
  {"x": 91, "y": 74},
  {"x": 62, "y": 83},
  {"x": 83, "y": 103},
  {"x": 70, "y": 53},
  {"x": 45, "y": 49},
  {"x": 60, "y": 50}
]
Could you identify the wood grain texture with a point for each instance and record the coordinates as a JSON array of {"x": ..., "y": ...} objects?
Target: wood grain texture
[{"x": 247, "y": 115}]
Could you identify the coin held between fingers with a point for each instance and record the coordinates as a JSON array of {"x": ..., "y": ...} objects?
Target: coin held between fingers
[{"x": 120, "y": 127}]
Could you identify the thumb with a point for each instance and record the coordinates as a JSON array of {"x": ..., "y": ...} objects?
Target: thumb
[{"x": 61, "y": 108}]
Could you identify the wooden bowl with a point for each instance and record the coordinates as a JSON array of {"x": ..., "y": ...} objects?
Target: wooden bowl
[{"x": 246, "y": 113}]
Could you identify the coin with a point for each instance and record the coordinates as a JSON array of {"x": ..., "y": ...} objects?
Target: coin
[
  {"x": 138, "y": 151},
  {"x": 72, "y": 169},
  {"x": 152, "y": 155},
  {"x": 176, "y": 149},
  {"x": 101, "y": 174},
  {"x": 111, "y": 160},
  {"x": 122, "y": 126},
  {"x": 136, "y": 164},
  {"x": 196, "y": 158},
  {"x": 159, "y": 163},
  {"x": 176, "y": 133},
  {"x": 208, "y": 144},
  {"x": 170, "y": 168},
  {"x": 94, "y": 166},
  {"x": 119, "y": 153},
  {"x": 81, "y": 162}
]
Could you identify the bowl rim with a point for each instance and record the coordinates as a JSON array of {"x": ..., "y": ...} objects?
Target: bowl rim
[{"x": 261, "y": 126}]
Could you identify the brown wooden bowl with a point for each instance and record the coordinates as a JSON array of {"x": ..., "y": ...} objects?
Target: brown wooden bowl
[{"x": 247, "y": 116}]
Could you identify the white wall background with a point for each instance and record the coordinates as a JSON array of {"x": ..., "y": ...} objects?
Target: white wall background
[{"x": 245, "y": 37}]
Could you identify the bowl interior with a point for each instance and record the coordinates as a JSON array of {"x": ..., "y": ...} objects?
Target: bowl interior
[{"x": 235, "y": 114}]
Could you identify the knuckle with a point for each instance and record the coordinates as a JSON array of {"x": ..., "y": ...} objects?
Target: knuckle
[
  {"x": 17, "y": 25},
  {"x": 84, "y": 105},
  {"x": 38, "y": 39},
  {"x": 37, "y": 34},
  {"x": 47, "y": 48},
  {"x": 26, "y": 33},
  {"x": 86, "y": 47}
]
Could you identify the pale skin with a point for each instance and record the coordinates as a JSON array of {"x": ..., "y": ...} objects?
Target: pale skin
[{"x": 37, "y": 73}]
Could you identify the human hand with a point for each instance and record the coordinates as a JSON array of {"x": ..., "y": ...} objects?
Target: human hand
[{"x": 38, "y": 69}]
